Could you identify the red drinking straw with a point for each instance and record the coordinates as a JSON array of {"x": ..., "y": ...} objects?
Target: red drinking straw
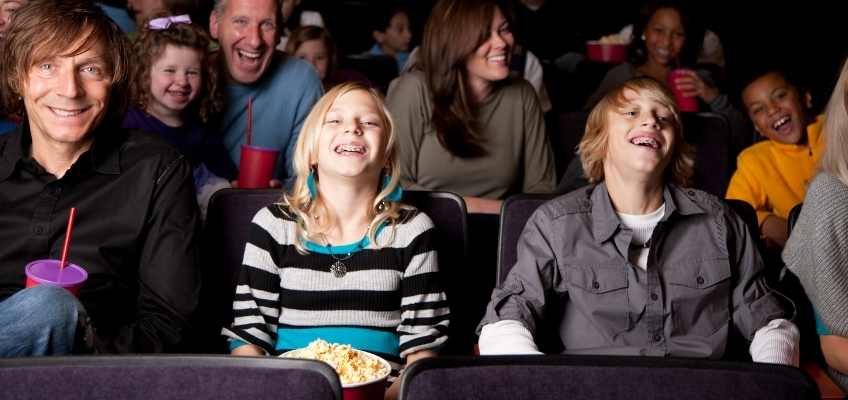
[
  {"x": 249, "y": 120},
  {"x": 68, "y": 238}
]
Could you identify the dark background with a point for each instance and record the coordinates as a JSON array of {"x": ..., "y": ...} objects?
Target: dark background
[{"x": 802, "y": 36}]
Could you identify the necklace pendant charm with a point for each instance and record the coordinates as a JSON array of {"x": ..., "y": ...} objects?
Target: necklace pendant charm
[{"x": 339, "y": 269}]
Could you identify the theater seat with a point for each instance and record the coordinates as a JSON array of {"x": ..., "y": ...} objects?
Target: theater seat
[
  {"x": 600, "y": 378},
  {"x": 226, "y": 231},
  {"x": 515, "y": 212},
  {"x": 165, "y": 377}
]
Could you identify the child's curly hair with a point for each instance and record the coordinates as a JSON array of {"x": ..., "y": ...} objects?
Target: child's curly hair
[{"x": 150, "y": 45}]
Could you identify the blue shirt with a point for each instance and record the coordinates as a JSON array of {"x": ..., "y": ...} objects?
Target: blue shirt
[
  {"x": 400, "y": 57},
  {"x": 6, "y": 126},
  {"x": 120, "y": 16},
  {"x": 821, "y": 328},
  {"x": 282, "y": 99}
]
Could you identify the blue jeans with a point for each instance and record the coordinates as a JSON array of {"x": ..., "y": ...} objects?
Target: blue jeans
[{"x": 39, "y": 321}]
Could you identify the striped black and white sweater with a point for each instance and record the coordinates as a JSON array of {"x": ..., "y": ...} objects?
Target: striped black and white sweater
[{"x": 285, "y": 299}]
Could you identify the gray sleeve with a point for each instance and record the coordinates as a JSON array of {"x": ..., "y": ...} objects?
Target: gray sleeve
[
  {"x": 741, "y": 135},
  {"x": 754, "y": 303},
  {"x": 406, "y": 101},
  {"x": 824, "y": 237},
  {"x": 613, "y": 79},
  {"x": 521, "y": 297},
  {"x": 573, "y": 178},
  {"x": 539, "y": 170}
]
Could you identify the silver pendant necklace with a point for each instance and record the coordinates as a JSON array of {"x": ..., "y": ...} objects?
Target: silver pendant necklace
[{"x": 338, "y": 268}]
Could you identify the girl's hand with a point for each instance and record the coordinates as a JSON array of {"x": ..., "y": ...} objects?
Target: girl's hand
[
  {"x": 774, "y": 232},
  {"x": 692, "y": 85},
  {"x": 479, "y": 205},
  {"x": 247, "y": 350},
  {"x": 393, "y": 391}
]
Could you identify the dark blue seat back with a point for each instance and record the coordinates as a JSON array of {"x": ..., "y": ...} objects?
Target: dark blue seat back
[
  {"x": 600, "y": 378},
  {"x": 163, "y": 377},
  {"x": 515, "y": 212}
]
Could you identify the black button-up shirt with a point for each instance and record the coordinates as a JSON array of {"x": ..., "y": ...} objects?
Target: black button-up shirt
[
  {"x": 704, "y": 276},
  {"x": 135, "y": 232}
]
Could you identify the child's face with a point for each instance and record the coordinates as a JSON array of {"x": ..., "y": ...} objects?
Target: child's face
[
  {"x": 397, "y": 36},
  {"x": 7, "y": 9},
  {"x": 315, "y": 53},
  {"x": 664, "y": 36},
  {"x": 175, "y": 80},
  {"x": 640, "y": 137},
  {"x": 287, "y": 8},
  {"x": 144, "y": 9},
  {"x": 775, "y": 107},
  {"x": 353, "y": 138}
]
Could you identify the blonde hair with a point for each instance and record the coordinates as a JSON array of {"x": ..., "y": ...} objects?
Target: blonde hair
[
  {"x": 311, "y": 214},
  {"x": 593, "y": 147},
  {"x": 836, "y": 129}
]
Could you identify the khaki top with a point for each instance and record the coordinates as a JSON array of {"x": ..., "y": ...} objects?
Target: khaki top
[
  {"x": 572, "y": 277},
  {"x": 518, "y": 154}
]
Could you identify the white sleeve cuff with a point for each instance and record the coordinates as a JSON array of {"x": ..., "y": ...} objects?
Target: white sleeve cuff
[
  {"x": 776, "y": 343},
  {"x": 506, "y": 337}
]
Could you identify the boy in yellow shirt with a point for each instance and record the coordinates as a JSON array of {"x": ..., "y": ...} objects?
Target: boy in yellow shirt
[{"x": 772, "y": 175}]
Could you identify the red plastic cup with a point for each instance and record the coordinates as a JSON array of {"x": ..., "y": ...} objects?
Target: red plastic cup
[
  {"x": 47, "y": 272},
  {"x": 684, "y": 103},
  {"x": 256, "y": 167}
]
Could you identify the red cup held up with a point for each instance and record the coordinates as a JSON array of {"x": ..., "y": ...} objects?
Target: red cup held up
[
  {"x": 684, "y": 103},
  {"x": 256, "y": 167}
]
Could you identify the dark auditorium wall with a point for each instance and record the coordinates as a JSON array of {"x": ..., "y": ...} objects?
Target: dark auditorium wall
[{"x": 803, "y": 35}]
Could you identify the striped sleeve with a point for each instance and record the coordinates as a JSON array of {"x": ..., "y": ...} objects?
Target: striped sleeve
[
  {"x": 424, "y": 307},
  {"x": 256, "y": 305}
]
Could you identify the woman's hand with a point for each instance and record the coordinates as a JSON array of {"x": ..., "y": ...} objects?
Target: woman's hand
[
  {"x": 393, "y": 391},
  {"x": 692, "y": 85},
  {"x": 247, "y": 350},
  {"x": 774, "y": 231},
  {"x": 835, "y": 350},
  {"x": 479, "y": 205}
]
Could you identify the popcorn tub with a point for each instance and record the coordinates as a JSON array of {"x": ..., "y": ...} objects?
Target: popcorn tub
[
  {"x": 363, "y": 375},
  {"x": 606, "y": 52}
]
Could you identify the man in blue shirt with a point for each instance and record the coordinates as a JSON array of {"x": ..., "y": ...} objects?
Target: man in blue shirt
[{"x": 283, "y": 88}]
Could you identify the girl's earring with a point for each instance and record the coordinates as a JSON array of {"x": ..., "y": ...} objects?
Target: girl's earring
[
  {"x": 310, "y": 183},
  {"x": 643, "y": 37},
  {"x": 396, "y": 194}
]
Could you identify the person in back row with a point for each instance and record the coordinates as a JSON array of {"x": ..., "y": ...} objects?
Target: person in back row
[
  {"x": 66, "y": 66},
  {"x": 175, "y": 92},
  {"x": 463, "y": 124},
  {"x": 637, "y": 264},
  {"x": 665, "y": 38},
  {"x": 772, "y": 175},
  {"x": 392, "y": 34},
  {"x": 283, "y": 88},
  {"x": 314, "y": 45},
  {"x": 340, "y": 257}
]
